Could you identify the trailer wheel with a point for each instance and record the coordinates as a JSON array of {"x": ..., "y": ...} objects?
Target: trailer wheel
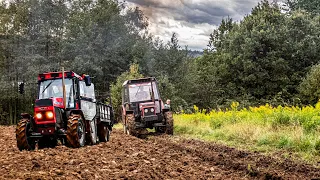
[
  {"x": 103, "y": 133},
  {"x": 24, "y": 142},
  {"x": 169, "y": 122},
  {"x": 76, "y": 132}
]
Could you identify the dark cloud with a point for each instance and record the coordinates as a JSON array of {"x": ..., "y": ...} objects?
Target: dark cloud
[
  {"x": 152, "y": 3},
  {"x": 145, "y": 3},
  {"x": 209, "y": 7},
  {"x": 205, "y": 11},
  {"x": 195, "y": 20},
  {"x": 197, "y": 17}
]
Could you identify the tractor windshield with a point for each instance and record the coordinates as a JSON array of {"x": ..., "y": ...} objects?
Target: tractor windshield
[
  {"x": 142, "y": 92},
  {"x": 53, "y": 88}
]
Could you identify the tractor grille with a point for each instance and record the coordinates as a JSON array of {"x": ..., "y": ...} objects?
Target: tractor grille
[
  {"x": 149, "y": 113},
  {"x": 44, "y": 102}
]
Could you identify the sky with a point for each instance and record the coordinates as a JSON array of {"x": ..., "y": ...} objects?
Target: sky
[{"x": 192, "y": 20}]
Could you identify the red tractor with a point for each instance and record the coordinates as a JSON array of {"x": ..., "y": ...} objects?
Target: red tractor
[
  {"x": 143, "y": 108},
  {"x": 65, "y": 110}
]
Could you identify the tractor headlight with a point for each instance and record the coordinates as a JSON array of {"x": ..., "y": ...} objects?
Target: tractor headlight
[
  {"x": 146, "y": 110},
  {"x": 39, "y": 116},
  {"x": 152, "y": 109},
  {"x": 49, "y": 114}
]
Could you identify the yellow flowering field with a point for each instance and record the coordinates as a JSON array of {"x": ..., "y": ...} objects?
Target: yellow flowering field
[{"x": 292, "y": 130}]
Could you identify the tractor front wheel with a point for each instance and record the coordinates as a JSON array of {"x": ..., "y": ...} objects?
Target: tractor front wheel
[
  {"x": 131, "y": 125},
  {"x": 24, "y": 142},
  {"x": 76, "y": 132},
  {"x": 169, "y": 122}
]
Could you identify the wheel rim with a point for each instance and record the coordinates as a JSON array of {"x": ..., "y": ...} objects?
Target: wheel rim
[{"x": 81, "y": 133}]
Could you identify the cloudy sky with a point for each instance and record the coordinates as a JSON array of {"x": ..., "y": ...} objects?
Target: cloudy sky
[{"x": 192, "y": 20}]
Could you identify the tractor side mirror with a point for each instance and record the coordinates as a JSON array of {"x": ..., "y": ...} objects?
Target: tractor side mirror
[
  {"x": 21, "y": 88},
  {"x": 87, "y": 80}
]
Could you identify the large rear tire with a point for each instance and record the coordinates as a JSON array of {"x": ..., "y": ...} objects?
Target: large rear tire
[
  {"x": 103, "y": 133},
  {"x": 76, "y": 132},
  {"x": 169, "y": 122},
  {"x": 24, "y": 142}
]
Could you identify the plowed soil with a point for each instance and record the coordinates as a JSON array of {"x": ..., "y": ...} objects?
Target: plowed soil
[{"x": 156, "y": 157}]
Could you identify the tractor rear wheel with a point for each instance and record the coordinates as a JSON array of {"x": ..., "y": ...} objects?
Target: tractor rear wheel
[
  {"x": 47, "y": 142},
  {"x": 76, "y": 132},
  {"x": 131, "y": 125},
  {"x": 169, "y": 122},
  {"x": 103, "y": 133},
  {"x": 24, "y": 142}
]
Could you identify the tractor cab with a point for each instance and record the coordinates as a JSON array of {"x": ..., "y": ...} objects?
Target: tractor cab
[
  {"x": 51, "y": 87},
  {"x": 61, "y": 95},
  {"x": 141, "y": 96}
]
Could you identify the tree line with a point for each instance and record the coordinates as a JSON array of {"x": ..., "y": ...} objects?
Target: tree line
[{"x": 270, "y": 56}]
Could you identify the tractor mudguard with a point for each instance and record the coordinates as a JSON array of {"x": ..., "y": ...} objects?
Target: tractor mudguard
[
  {"x": 30, "y": 118},
  {"x": 26, "y": 116},
  {"x": 129, "y": 112},
  {"x": 165, "y": 109},
  {"x": 76, "y": 111}
]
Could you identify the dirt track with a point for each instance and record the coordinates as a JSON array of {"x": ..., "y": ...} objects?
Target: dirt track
[{"x": 157, "y": 157}]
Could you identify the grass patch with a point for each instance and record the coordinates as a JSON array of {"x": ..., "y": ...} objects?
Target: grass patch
[
  {"x": 290, "y": 130},
  {"x": 118, "y": 126}
]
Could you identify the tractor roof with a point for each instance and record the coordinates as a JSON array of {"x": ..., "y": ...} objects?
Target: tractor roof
[
  {"x": 137, "y": 81},
  {"x": 58, "y": 75}
]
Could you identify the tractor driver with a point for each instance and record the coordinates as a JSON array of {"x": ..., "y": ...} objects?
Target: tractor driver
[
  {"x": 143, "y": 95},
  {"x": 58, "y": 92}
]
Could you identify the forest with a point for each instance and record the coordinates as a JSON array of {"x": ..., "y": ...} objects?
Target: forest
[{"x": 271, "y": 56}]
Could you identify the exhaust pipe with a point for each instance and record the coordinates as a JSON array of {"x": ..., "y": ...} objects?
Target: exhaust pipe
[{"x": 64, "y": 89}]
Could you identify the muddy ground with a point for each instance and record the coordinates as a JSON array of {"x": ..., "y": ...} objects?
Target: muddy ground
[{"x": 156, "y": 157}]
